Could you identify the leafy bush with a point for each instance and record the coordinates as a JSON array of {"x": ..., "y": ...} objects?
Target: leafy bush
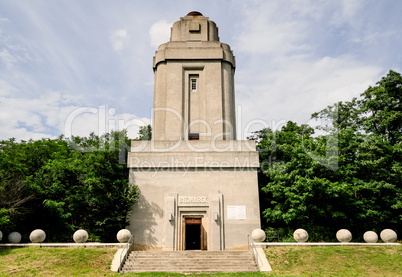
[{"x": 62, "y": 185}]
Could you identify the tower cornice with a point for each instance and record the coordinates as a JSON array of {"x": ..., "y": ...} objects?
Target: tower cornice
[{"x": 199, "y": 50}]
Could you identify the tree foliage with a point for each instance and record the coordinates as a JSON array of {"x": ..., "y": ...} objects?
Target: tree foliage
[
  {"x": 145, "y": 133},
  {"x": 62, "y": 185},
  {"x": 348, "y": 178}
]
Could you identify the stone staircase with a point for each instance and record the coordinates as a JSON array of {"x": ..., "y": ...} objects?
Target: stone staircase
[{"x": 190, "y": 261}]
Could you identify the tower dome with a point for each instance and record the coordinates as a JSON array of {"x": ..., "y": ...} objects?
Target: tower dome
[{"x": 194, "y": 13}]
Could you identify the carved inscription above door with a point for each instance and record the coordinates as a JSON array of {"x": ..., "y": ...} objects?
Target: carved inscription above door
[{"x": 193, "y": 200}]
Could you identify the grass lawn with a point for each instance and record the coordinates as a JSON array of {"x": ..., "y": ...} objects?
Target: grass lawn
[
  {"x": 336, "y": 261},
  {"x": 55, "y": 262},
  {"x": 285, "y": 261}
]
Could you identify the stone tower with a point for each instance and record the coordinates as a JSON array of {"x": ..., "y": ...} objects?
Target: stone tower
[
  {"x": 198, "y": 183},
  {"x": 194, "y": 84}
]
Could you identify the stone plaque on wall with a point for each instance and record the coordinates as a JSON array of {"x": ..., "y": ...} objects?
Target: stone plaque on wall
[{"x": 236, "y": 212}]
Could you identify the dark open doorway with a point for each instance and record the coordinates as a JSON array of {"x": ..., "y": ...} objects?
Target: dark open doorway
[{"x": 193, "y": 234}]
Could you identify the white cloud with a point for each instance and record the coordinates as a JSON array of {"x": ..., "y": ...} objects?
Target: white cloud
[
  {"x": 159, "y": 33},
  {"x": 293, "y": 58},
  {"x": 296, "y": 88},
  {"x": 31, "y": 118},
  {"x": 7, "y": 59},
  {"x": 120, "y": 39},
  {"x": 52, "y": 114},
  {"x": 268, "y": 33},
  {"x": 346, "y": 11},
  {"x": 6, "y": 88},
  {"x": 81, "y": 121},
  {"x": 297, "y": 64}
]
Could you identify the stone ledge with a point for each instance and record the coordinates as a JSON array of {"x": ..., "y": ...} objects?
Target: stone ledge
[
  {"x": 194, "y": 50},
  {"x": 321, "y": 244},
  {"x": 62, "y": 245},
  {"x": 186, "y": 160},
  {"x": 219, "y": 146}
]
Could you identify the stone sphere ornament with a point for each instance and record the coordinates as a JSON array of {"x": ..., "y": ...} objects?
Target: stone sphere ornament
[
  {"x": 258, "y": 235},
  {"x": 300, "y": 235},
  {"x": 388, "y": 235},
  {"x": 123, "y": 235},
  {"x": 80, "y": 236},
  {"x": 344, "y": 235},
  {"x": 370, "y": 237},
  {"x": 37, "y": 236},
  {"x": 14, "y": 237}
]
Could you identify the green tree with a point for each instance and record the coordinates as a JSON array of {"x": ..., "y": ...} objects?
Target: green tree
[
  {"x": 145, "y": 133},
  {"x": 90, "y": 189},
  {"x": 66, "y": 184},
  {"x": 381, "y": 108},
  {"x": 370, "y": 130},
  {"x": 378, "y": 111},
  {"x": 18, "y": 161},
  {"x": 349, "y": 178},
  {"x": 300, "y": 191}
]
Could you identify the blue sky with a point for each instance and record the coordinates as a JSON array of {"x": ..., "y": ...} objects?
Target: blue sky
[{"x": 73, "y": 67}]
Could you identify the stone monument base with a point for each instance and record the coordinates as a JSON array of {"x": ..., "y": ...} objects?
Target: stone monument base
[{"x": 195, "y": 195}]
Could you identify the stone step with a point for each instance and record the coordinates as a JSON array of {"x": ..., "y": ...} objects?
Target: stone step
[
  {"x": 188, "y": 271},
  {"x": 189, "y": 253},
  {"x": 190, "y": 261},
  {"x": 188, "y": 267},
  {"x": 190, "y": 257},
  {"x": 136, "y": 263},
  {"x": 186, "y": 261}
]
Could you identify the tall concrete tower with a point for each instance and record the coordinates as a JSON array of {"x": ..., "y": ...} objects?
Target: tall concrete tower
[
  {"x": 194, "y": 83},
  {"x": 198, "y": 183}
]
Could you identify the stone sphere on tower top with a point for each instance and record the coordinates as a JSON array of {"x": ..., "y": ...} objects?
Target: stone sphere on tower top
[{"x": 194, "y": 13}]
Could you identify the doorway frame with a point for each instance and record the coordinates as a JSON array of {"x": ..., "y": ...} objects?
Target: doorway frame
[
  {"x": 190, "y": 222},
  {"x": 181, "y": 228}
]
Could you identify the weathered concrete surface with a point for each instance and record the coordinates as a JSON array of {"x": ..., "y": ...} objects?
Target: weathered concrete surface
[
  {"x": 117, "y": 259},
  {"x": 202, "y": 178},
  {"x": 208, "y": 109},
  {"x": 321, "y": 244},
  {"x": 194, "y": 169},
  {"x": 63, "y": 245},
  {"x": 190, "y": 261},
  {"x": 263, "y": 262}
]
